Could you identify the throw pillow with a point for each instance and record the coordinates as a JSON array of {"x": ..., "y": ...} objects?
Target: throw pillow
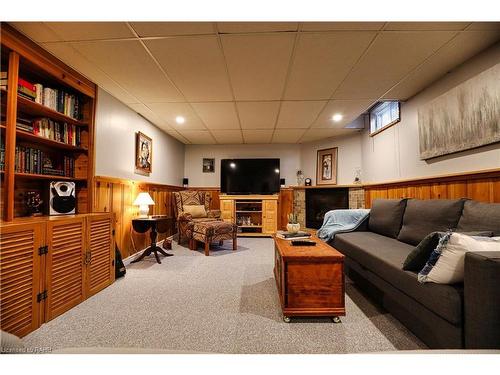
[
  {"x": 446, "y": 263},
  {"x": 419, "y": 256},
  {"x": 196, "y": 210},
  {"x": 417, "y": 259}
]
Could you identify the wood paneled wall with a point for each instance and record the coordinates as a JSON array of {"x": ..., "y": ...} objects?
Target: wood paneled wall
[
  {"x": 117, "y": 195},
  {"x": 483, "y": 186}
]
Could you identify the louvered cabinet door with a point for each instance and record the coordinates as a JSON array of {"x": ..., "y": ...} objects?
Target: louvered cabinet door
[
  {"x": 100, "y": 266},
  {"x": 65, "y": 265},
  {"x": 20, "y": 277}
]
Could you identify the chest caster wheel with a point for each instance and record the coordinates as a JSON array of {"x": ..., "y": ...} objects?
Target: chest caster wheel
[
  {"x": 336, "y": 319},
  {"x": 286, "y": 319}
]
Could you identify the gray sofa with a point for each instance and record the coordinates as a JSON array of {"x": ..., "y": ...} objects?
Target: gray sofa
[{"x": 442, "y": 316}]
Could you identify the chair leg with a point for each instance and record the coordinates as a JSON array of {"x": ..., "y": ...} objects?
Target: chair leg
[
  {"x": 221, "y": 242},
  {"x": 192, "y": 244},
  {"x": 207, "y": 247},
  {"x": 235, "y": 242}
]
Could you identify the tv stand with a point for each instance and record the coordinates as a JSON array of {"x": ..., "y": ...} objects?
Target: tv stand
[{"x": 255, "y": 215}]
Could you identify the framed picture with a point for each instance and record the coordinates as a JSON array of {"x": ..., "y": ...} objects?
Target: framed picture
[
  {"x": 208, "y": 165},
  {"x": 326, "y": 168},
  {"x": 143, "y": 154}
]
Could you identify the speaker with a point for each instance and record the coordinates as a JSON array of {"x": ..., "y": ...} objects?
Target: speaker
[
  {"x": 282, "y": 182},
  {"x": 62, "y": 198},
  {"x": 185, "y": 182}
]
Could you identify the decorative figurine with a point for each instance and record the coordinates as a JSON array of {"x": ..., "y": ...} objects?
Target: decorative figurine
[{"x": 33, "y": 203}]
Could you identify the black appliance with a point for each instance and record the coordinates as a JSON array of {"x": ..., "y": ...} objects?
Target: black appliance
[
  {"x": 250, "y": 176},
  {"x": 62, "y": 198}
]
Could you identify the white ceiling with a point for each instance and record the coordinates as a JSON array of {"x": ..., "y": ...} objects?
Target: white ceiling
[{"x": 260, "y": 82}]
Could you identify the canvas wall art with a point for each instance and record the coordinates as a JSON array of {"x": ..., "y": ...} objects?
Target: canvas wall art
[{"x": 466, "y": 117}]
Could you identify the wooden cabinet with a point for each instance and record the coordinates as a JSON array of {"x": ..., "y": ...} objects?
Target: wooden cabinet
[
  {"x": 20, "y": 277},
  {"x": 255, "y": 215},
  {"x": 227, "y": 210},
  {"x": 101, "y": 254},
  {"x": 64, "y": 265},
  {"x": 49, "y": 265},
  {"x": 269, "y": 216}
]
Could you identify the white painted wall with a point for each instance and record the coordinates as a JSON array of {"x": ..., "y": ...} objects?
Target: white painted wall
[
  {"x": 289, "y": 155},
  {"x": 394, "y": 153},
  {"x": 116, "y": 125},
  {"x": 349, "y": 157}
]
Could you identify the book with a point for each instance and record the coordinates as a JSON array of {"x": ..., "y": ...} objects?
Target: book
[{"x": 292, "y": 236}]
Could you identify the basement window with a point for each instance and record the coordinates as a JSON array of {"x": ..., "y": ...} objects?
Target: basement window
[{"x": 384, "y": 115}]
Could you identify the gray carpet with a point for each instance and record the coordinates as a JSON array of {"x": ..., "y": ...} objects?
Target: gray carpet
[{"x": 224, "y": 303}]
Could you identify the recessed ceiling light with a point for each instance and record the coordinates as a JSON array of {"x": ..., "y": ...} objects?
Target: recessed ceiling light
[
  {"x": 180, "y": 120},
  {"x": 337, "y": 117}
]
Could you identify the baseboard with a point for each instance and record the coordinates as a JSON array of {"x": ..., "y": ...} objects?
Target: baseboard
[{"x": 130, "y": 258}]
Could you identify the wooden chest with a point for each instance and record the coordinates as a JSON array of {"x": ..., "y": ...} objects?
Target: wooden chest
[{"x": 310, "y": 279}]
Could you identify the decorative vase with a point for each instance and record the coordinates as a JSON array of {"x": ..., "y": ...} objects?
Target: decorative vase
[{"x": 293, "y": 228}]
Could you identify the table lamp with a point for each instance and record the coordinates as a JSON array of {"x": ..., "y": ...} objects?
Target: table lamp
[{"x": 143, "y": 200}]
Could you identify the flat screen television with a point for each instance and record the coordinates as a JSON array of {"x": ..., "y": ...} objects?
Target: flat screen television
[{"x": 250, "y": 176}]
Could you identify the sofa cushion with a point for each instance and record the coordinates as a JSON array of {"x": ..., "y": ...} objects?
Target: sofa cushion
[
  {"x": 386, "y": 216},
  {"x": 384, "y": 256},
  {"x": 422, "y": 217},
  {"x": 478, "y": 216}
]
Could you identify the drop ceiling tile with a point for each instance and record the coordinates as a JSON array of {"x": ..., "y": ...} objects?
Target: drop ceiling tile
[
  {"x": 178, "y": 136},
  {"x": 317, "y": 134},
  {"x": 258, "y": 115},
  {"x": 149, "y": 115},
  {"x": 169, "y": 111},
  {"x": 287, "y": 135},
  {"x": 257, "y": 136},
  {"x": 36, "y": 31},
  {"x": 195, "y": 64},
  {"x": 321, "y": 62},
  {"x": 299, "y": 114},
  {"x": 201, "y": 137},
  {"x": 388, "y": 60},
  {"x": 479, "y": 26},
  {"x": 228, "y": 136},
  {"x": 339, "y": 26},
  {"x": 457, "y": 51},
  {"x": 349, "y": 109},
  {"x": 128, "y": 63},
  {"x": 71, "y": 31},
  {"x": 258, "y": 64},
  {"x": 217, "y": 115},
  {"x": 430, "y": 26},
  {"x": 256, "y": 27},
  {"x": 65, "y": 52},
  {"x": 154, "y": 29}
]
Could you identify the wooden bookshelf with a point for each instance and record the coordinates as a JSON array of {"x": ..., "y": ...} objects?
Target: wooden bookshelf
[{"x": 22, "y": 58}]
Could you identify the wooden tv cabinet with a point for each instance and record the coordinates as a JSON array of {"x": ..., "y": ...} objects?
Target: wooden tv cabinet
[{"x": 255, "y": 215}]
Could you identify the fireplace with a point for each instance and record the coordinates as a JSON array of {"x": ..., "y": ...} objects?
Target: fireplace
[{"x": 320, "y": 201}]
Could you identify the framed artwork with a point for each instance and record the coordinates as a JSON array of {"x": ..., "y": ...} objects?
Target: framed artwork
[
  {"x": 208, "y": 165},
  {"x": 143, "y": 154},
  {"x": 326, "y": 168}
]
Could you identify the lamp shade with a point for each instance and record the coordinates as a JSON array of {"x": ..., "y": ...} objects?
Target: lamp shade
[{"x": 143, "y": 199}]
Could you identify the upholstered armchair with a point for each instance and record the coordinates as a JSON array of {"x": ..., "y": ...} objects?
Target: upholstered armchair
[{"x": 192, "y": 206}]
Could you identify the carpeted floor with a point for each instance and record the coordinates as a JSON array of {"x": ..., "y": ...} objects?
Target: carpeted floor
[{"x": 224, "y": 303}]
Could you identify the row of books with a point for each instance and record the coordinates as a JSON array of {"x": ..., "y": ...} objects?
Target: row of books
[
  {"x": 47, "y": 128},
  {"x": 32, "y": 160},
  {"x": 58, "y": 100}
]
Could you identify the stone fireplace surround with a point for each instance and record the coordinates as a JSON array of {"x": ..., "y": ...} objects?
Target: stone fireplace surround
[{"x": 356, "y": 199}]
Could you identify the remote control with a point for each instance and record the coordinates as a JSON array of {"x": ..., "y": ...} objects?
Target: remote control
[{"x": 303, "y": 243}]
